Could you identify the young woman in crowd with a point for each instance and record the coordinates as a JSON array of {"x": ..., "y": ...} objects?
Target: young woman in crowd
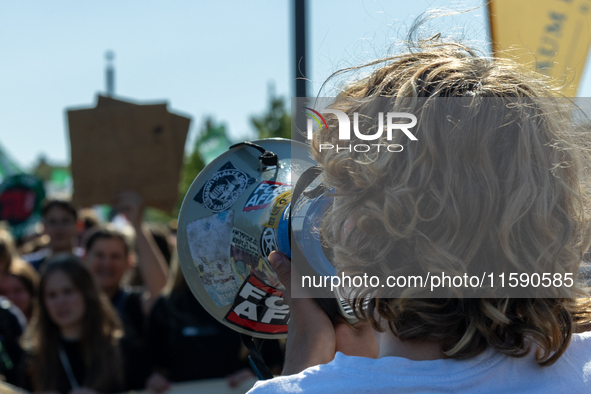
[
  {"x": 506, "y": 191},
  {"x": 72, "y": 339},
  {"x": 12, "y": 320},
  {"x": 19, "y": 285},
  {"x": 10, "y": 262}
]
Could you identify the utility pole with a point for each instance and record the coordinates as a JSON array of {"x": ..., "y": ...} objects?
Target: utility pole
[
  {"x": 300, "y": 60},
  {"x": 301, "y": 57},
  {"x": 110, "y": 73}
]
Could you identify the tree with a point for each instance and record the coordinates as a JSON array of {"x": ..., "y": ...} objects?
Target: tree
[
  {"x": 276, "y": 122},
  {"x": 212, "y": 138}
]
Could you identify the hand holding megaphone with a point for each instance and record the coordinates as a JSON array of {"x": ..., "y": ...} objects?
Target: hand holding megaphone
[{"x": 314, "y": 338}]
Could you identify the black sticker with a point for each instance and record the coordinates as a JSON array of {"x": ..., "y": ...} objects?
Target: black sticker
[
  {"x": 268, "y": 242},
  {"x": 224, "y": 188}
]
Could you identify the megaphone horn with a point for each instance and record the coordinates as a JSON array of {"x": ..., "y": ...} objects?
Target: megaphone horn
[{"x": 239, "y": 209}]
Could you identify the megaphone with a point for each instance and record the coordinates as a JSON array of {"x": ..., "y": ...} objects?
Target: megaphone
[{"x": 256, "y": 197}]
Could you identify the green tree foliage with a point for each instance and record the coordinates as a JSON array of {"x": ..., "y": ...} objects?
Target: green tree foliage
[
  {"x": 275, "y": 122},
  {"x": 211, "y": 136},
  {"x": 212, "y": 139}
]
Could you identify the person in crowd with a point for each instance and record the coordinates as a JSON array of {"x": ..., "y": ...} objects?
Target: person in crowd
[
  {"x": 72, "y": 340},
  {"x": 59, "y": 223},
  {"x": 109, "y": 257},
  {"x": 20, "y": 285},
  {"x": 8, "y": 260},
  {"x": 12, "y": 321},
  {"x": 186, "y": 343},
  {"x": 34, "y": 242},
  {"x": 172, "y": 233},
  {"x": 10, "y": 350},
  {"x": 7, "y": 251},
  {"x": 160, "y": 236},
  {"x": 87, "y": 220},
  {"x": 509, "y": 192}
]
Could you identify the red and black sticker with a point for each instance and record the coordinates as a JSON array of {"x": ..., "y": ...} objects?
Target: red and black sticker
[
  {"x": 264, "y": 194},
  {"x": 259, "y": 307}
]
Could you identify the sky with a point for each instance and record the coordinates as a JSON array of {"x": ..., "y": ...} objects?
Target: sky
[{"x": 204, "y": 58}]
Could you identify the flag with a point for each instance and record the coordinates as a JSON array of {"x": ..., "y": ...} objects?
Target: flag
[{"x": 551, "y": 37}]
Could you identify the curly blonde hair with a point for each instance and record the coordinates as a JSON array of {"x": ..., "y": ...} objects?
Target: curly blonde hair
[{"x": 507, "y": 192}]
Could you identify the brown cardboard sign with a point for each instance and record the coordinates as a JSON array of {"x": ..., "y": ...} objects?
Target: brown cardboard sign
[{"x": 125, "y": 146}]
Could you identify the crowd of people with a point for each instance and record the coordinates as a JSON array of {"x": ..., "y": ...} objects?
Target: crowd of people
[{"x": 96, "y": 308}]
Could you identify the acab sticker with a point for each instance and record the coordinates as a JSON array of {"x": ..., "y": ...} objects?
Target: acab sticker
[
  {"x": 224, "y": 188},
  {"x": 259, "y": 307}
]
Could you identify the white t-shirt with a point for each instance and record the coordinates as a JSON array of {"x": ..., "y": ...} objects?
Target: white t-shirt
[{"x": 490, "y": 372}]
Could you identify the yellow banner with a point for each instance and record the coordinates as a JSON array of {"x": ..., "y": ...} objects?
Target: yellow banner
[{"x": 548, "y": 36}]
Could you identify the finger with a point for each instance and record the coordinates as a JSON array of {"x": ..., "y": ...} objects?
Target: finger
[{"x": 282, "y": 267}]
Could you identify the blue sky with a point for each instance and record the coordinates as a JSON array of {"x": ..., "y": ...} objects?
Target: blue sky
[{"x": 204, "y": 58}]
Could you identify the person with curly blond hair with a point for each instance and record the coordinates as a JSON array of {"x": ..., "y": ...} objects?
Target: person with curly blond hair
[{"x": 495, "y": 179}]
